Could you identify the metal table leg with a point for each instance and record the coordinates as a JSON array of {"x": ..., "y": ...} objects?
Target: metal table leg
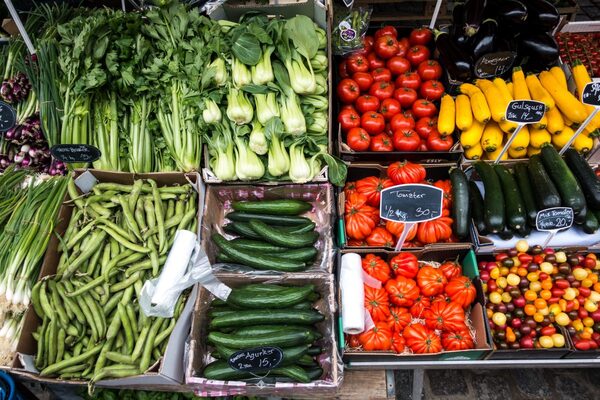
[
  {"x": 418, "y": 375},
  {"x": 390, "y": 379}
]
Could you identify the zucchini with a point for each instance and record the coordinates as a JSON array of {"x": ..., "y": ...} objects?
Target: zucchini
[
  {"x": 302, "y": 254},
  {"x": 282, "y": 338},
  {"x": 256, "y": 260},
  {"x": 241, "y": 229},
  {"x": 546, "y": 194},
  {"x": 587, "y": 178},
  {"x": 220, "y": 370},
  {"x": 526, "y": 189},
  {"x": 273, "y": 207},
  {"x": 280, "y": 299},
  {"x": 563, "y": 178},
  {"x": 279, "y": 220},
  {"x": 591, "y": 223},
  {"x": 261, "y": 317},
  {"x": 281, "y": 238},
  {"x": 493, "y": 200},
  {"x": 460, "y": 203},
  {"x": 290, "y": 354},
  {"x": 506, "y": 233},
  {"x": 580, "y": 218},
  {"x": 476, "y": 201},
  {"x": 514, "y": 207}
]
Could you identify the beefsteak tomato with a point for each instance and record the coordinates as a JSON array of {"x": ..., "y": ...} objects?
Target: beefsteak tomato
[
  {"x": 434, "y": 231},
  {"x": 348, "y": 91},
  {"x": 398, "y": 343},
  {"x": 403, "y": 291},
  {"x": 364, "y": 80},
  {"x": 459, "y": 340},
  {"x": 431, "y": 280},
  {"x": 376, "y": 302},
  {"x": 421, "y": 304},
  {"x": 348, "y": 119},
  {"x": 406, "y": 140},
  {"x": 396, "y": 229},
  {"x": 382, "y": 90},
  {"x": 444, "y": 316},
  {"x": 437, "y": 142},
  {"x": 366, "y": 103},
  {"x": 389, "y": 108},
  {"x": 371, "y": 186},
  {"x": 386, "y": 46},
  {"x": 405, "y": 264},
  {"x": 402, "y": 121},
  {"x": 398, "y": 319},
  {"x": 421, "y": 36},
  {"x": 398, "y": 65},
  {"x": 360, "y": 217},
  {"x": 432, "y": 90},
  {"x": 357, "y": 63},
  {"x": 429, "y": 70},
  {"x": 451, "y": 269},
  {"x": 461, "y": 290},
  {"x": 380, "y": 237},
  {"x": 402, "y": 172},
  {"x": 376, "y": 267},
  {"x": 425, "y": 126},
  {"x": 377, "y": 338},
  {"x": 417, "y": 54},
  {"x": 421, "y": 340}
]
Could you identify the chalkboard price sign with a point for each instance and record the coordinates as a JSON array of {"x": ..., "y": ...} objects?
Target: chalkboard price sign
[
  {"x": 256, "y": 359},
  {"x": 492, "y": 65},
  {"x": 411, "y": 203},
  {"x": 525, "y": 111},
  {"x": 554, "y": 219},
  {"x": 591, "y": 94},
  {"x": 8, "y": 116},
  {"x": 75, "y": 153}
]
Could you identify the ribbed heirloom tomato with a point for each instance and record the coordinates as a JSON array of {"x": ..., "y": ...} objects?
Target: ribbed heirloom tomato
[
  {"x": 380, "y": 237},
  {"x": 405, "y": 264},
  {"x": 398, "y": 343},
  {"x": 435, "y": 231},
  {"x": 402, "y": 172},
  {"x": 377, "y": 338},
  {"x": 371, "y": 187},
  {"x": 376, "y": 267},
  {"x": 399, "y": 318},
  {"x": 360, "y": 217},
  {"x": 450, "y": 269},
  {"x": 396, "y": 229},
  {"x": 461, "y": 290},
  {"x": 376, "y": 302},
  {"x": 422, "y": 340},
  {"x": 421, "y": 304},
  {"x": 445, "y": 316},
  {"x": 403, "y": 291},
  {"x": 459, "y": 340},
  {"x": 431, "y": 280}
]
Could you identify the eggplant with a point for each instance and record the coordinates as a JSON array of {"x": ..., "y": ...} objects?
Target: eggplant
[
  {"x": 539, "y": 47},
  {"x": 511, "y": 13},
  {"x": 474, "y": 13},
  {"x": 457, "y": 31},
  {"x": 541, "y": 15},
  {"x": 455, "y": 60},
  {"x": 485, "y": 39}
]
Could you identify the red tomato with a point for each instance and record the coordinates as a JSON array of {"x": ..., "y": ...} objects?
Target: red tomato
[
  {"x": 358, "y": 139},
  {"x": 366, "y": 102},
  {"x": 357, "y": 63},
  {"x": 432, "y": 90},
  {"x": 386, "y": 30},
  {"x": 429, "y": 69},
  {"x": 374, "y": 61},
  {"x": 409, "y": 80},
  {"x": 347, "y": 107},
  {"x": 420, "y": 36},
  {"x": 402, "y": 122},
  {"x": 417, "y": 54},
  {"x": 425, "y": 126},
  {"x": 372, "y": 122},
  {"x": 403, "y": 45},
  {"x": 381, "y": 75},
  {"x": 386, "y": 46},
  {"x": 424, "y": 108},
  {"x": 368, "y": 42},
  {"x": 405, "y": 96},
  {"x": 343, "y": 69},
  {"x": 406, "y": 140},
  {"x": 398, "y": 65},
  {"x": 348, "y": 119},
  {"x": 348, "y": 91},
  {"x": 382, "y": 90},
  {"x": 364, "y": 80},
  {"x": 381, "y": 142},
  {"x": 389, "y": 108},
  {"x": 423, "y": 145},
  {"x": 409, "y": 113},
  {"x": 436, "y": 142}
]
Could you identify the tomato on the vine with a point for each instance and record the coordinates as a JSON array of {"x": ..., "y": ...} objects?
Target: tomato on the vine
[
  {"x": 417, "y": 54},
  {"x": 381, "y": 142},
  {"x": 389, "y": 108},
  {"x": 386, "y": 46},
  {"x": 398, "y": 65},
  {"x": 348, "y": 91},
  {"x": 409, "y": 80},
  {"x": 381, "y": 75},
  {"x": 358, "y": 139},
  {"x": 425, "y": 126},
  {"x": 372, "y": 122},
  {"x": 432, "y": 90},
  {"x": 437, "y": 142},
  {"x": 424, "y": 108},
  {"x": 357, "y": 63},
  {"x": 348, "y": 119},
  {"x": 386, "y": 30},
  {"x": 402, "y": 121},
  {"x": 406, "y": 140},
  {"x": 364, "y": 80},
  {"x": 405, "y": 96},
  {"x": 429, "y": 69},
  {"x": 420, "y": 36},
  {"x": 382, "y": 90},
  {"x": 374, "y": 61},
  {"x": 366, "y": 103}
]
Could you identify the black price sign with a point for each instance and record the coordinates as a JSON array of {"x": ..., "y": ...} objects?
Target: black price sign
[
  {"x": 74, "y": 153},
  {"x": 257, "y": 359},
  {"x": 525, "y": 111},
  {"x": 591, "y": 94},
  {"x": 8, "y": 116},
  {"x": 494, "y": 64},
  {"x": 554, "y": 219},
  {"x": 411, "y": 203}
]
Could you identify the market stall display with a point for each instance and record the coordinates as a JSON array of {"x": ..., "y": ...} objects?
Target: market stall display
[{"x": 580, "y": 47}]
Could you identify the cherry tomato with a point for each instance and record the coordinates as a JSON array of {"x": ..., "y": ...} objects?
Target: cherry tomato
[
  {"x": 357, "y": 63},
  {"x": 398, "y": 65},
  {"x": 343, "y": 70},
  {"x": 432, "y": 90},
  {"x": 381, "y": 75},
  {"x": 405, "y": 96},
  {"x": 389, "y": 108},
  {"x": 403, "y": 46},
  {"x": 402, "y": 121},
  {"x": 429, "y": 69},
  {"x": 348, "y": 91},
  {"x": 417, "y": 54},
  {"x": 425, "y": 126},
  {"x": 406, "y": 140},
  {"x": 386, "y": 46},
  {"x": 386, "y": 30},
  {"x": 436, "y": 142},
  {"x": 381, "y": 142},
  {"x": 382, "y": 90},
  {"x": 409, "y": 80},
  {"x": 424, "y": 108},
  {"x": 366, "y": 103},
  {"x": 348, "y": 119},
  {"x": 372, "y": 122},
  {"x": 358, "y": 139},
  {"x": 420, "y": 36}
]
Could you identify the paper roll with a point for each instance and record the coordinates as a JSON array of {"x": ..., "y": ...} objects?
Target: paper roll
[
  {"x": 353, "y": 294},
  {"x": 176, "y": 264}
]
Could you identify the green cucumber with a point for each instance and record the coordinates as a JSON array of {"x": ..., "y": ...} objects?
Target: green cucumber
[
  {"x": 526, "y": 189},
  {"x": 279, "y": 220},
  {"x": 302, "y": 254},
  {"x": 304, "y": 305},
  {"x": 280, "y": 299},
  {"x": 591, "y": 223},
  {"x": 241, "y": 229},
  {"x": 268, "y": 329},
  {"x": 314, "y": 373},
  {"x": 315, "y": 350},
  {"x": 563, "y": 178},
  {"x": 307, "y": 361},
  {"x": 587, "y": 178},
  {"x": 273, "y": 207},
  {"x": 460, "y": 203},
  {"x": 477, "y": 209},
  {"x": 261, "y": 317},
  {"x": 290, "y": 354},
  {"x": 514, "y": 207},
  {"x": 546, "y": 194},
  {"x": 281, "y": 338},
  {"x": 213, "y": 313},
  {"x": 493, "y": 200},
  {"x": 281, "y": 238},
  {"x": 220, "y": 370},
  {"x": 265, "y": 287},
  {"x": 222, "y": 258}
]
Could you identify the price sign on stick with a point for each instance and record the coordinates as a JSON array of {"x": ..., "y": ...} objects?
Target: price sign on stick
[
  {"x": 410, "y": 204},
  {"x": 74, "y": 153},
  {"x": 522, "y": 112},
  {"x": 256, "y": 359},
  {"x": 591, "y": 97},
  {"x": 554, "y": 220},
  {"x": 8, "y": 117}
]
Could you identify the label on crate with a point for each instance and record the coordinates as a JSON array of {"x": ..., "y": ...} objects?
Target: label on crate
[
  {"x": 74, "y": 153},
  {"x": 8, "y": 116},
  {"x": 494, "y": 64},
  {"x": 411, "y": 203},
  {"x": 554, "y": 219},
  {"x": 591, "y": 94},
  {"x": 256, "y": 359},
  {"x": 525, "y": 111}
]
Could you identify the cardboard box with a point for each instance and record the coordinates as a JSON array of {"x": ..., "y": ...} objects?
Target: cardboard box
[
  {"x": 218, "y": 205},
  {"x": 199, "y": 353},
  {"x": 168, "y": 372}
]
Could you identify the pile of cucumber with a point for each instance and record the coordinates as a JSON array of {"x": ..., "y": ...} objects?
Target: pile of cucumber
[
  {"x": 261, "y": 314},
  {"x": 513, "y": 198},
  {"x": 271, "y": 236}
]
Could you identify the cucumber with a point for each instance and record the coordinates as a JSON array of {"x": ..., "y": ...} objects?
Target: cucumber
[
  {"x": 460, "y": 203},
  {"x": 307, "y": 361},
  {"x": 282, "y": 338},
  {"x": 220, "y": 370},
  {"x": 526, "y": 189},
  {"x": 301, "y": 254},
  {"x": 315, "y": 350},
  {"x": 222, "y": 258},
  {"x": 290, "y": 354},
  {"x": 514, "y": 207},
  {"x": 279, "y": 220},
  {"x": 546, "y": 194},
  {"x": 268, "y": 329},
  {"x": 265, "y": 287},
  {"x": 214, "y": 313},
  {"x": 256, "y": 260},
  {"x": 493, "y": 200},
  {"x": 241, "y": 229},
  {"x": 261, "y": 317},
  {"x": 476, "y": 201},
  {"x": 280, "y": 299},
  {"x": 305, "y": 305},
  {"x": 587, "y": 178},
  {"x": 563, "y": 178},
  {"x": 591, "y": 223},
  {"x": 314, "y": 373},
  {"x": 281, "y": 238},
  {"x": 273, "y": 207}
]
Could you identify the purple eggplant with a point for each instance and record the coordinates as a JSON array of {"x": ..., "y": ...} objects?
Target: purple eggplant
[
  {"x": 541, "y": 15},
  {"x": 474, "y": 14},
  {"x": 485, "y": 39},
  {"x": 510, "y": 13},
  {"x": 456, "y": 61},
  {"x": 540, "y": 49}
]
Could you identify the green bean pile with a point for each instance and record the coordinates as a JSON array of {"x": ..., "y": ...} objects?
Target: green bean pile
[{"x": 117, "y": 238}]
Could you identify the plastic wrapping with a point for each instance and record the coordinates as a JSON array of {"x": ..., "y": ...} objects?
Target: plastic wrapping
[
  {"x": 330, "y": 360},
  {"x": 349, "y": 28}
]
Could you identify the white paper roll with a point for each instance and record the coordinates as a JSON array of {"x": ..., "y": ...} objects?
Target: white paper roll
[
  {"x": 353, "y": 294},
  {"x": 176, "y": 264}
]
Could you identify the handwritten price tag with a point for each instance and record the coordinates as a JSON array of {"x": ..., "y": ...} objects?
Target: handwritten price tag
[
  {"x": 256, "y": 359},
  {"x": 73, "y": 153},
  {"x": 525, "y": 111},
  {"x": 494, "y": 64},
  {"x": 411, "y": 203},
  {"x": 591, "y": 94},
  {"x": 554, "y": 219},
  {"x": 8, "y": 116}
]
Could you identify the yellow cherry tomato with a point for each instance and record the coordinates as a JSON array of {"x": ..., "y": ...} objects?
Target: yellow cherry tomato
[
  {"x": 506, "y": 297},
  {"x": 570, "y": 293},
  {"x": 536, "y": 286},
  {"x": 588, "y": 321},
  {"x": 580, "y": 273},
  {"x": 561, "y": 257},
  {"x": 590, "y": 305},
  {"x": 538, "y": 317},
  {"x": 522, "y": 246},
  {"x": 546, "y": 267},
  {"x": 558, "y": 340},
  {"x": 495, "y": 273},
  {"x": 533, "y": 276},
  {"x": 546, "y": 342},
  {"x": 499, "y": 319},
  {"x": 495, "y": 298},
  {"x": 501, "y": 282},
  {"x": 513, "y": 279},
  {"x": 562, "y": 319}
]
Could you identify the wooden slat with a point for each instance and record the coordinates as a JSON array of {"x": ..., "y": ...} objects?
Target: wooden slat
[{"x": 363, "y": 385}]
